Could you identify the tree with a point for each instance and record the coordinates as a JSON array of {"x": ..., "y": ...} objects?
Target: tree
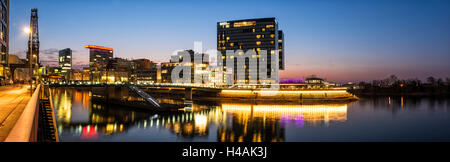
[
  {"x": 391, "y": 80},
  {"x": 431, "y": 80}
]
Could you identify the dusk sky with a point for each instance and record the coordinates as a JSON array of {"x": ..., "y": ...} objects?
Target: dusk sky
[{"x": 342, "y": 40}]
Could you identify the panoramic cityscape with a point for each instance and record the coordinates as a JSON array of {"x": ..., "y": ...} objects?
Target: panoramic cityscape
[{"x": 78, "y": 75}]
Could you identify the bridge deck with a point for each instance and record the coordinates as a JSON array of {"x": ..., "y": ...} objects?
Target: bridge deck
[{"x": 13, "y": 100}]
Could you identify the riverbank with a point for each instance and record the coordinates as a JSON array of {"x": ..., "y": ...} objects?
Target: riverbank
[{"x": 362, "y": 93}]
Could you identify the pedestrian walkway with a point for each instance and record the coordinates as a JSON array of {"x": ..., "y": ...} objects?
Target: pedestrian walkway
[{"x": 13, "y": 100}]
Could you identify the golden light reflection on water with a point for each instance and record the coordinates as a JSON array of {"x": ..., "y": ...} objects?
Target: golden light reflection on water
[
  {"x": 262, "y": 123},
  {"x": 310, "y": 113},
  {"x": 232, "y": 122}
]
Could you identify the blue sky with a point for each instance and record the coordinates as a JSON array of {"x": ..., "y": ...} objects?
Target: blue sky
[{"x": 345, "y": 40}]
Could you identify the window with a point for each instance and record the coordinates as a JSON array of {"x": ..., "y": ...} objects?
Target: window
[
  {"x": 244, "y": 23},
  {"x": 272, "y": 35},
  {"x": 270, "y": 26},
  {"x": 263, "y": 29},
  {"x": 258, "y": 43},
  {"x": 258, "y": 36}
]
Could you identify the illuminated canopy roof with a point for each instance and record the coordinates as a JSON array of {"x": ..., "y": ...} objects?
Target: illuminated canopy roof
[{"x": 98, "y": 47}]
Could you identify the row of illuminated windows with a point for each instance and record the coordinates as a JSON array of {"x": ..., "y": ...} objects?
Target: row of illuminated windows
[
  {"x": 245, "y": 24},
  {"x": 253, "y": 30},
  {"x": 253, "y": 56},
  {"x": 259, "y": 36}
]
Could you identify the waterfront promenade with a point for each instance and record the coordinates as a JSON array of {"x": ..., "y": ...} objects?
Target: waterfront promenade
[{"x": 13, "y": 100}]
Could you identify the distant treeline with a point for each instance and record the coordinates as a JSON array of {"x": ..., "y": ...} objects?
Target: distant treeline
[{"x": 409, "y": 87}]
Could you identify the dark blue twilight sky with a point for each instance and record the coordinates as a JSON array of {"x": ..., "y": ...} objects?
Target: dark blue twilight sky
[{"x": 340, "y": 40}]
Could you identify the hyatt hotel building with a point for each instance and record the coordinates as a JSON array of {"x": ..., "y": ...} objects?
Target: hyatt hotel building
[{"x": 250, "y": 34}]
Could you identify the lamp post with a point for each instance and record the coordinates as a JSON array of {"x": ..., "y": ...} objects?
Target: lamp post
[{"x": 30, "y": 32}]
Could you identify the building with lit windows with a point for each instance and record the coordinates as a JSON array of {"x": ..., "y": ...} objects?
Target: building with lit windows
[
  {"x": 118, "y": 70},
  {"x": 166, "y": 71},
  {"x": 199, "y": 69},
  {"x": 250, "y": 34},
  {"x": 4, "y": 40},
  {"x": 98, "y": 61},
  {"x": 281, "y": 49},
  {"x": 65, "y": 60},
  {"x": 145, "y": 71}
]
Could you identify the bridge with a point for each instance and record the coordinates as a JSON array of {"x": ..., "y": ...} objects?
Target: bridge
[
  {"x": 188, "y": 88},
  {"x": 37, "y": 121},
  {"x": 145, "y": 96}
]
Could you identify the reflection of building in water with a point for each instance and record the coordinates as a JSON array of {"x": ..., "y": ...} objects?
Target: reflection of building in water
[
  {"x": 77, "y": 115},
  {"x": 190, "y": 124},
  {"x": 265, "y": 123},
  {"x": 306, "y": 114}
]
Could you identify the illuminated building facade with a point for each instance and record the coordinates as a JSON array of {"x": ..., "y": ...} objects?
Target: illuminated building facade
[
  {"x": 4, "y": 40},
  {"x": 281, "y": 49},
  {"x": 118, "y": 70},
  {"x": 98, "y": 61},
  {"x": 199, "y": 69},
  {"x": 145, "y": 71},
  {"x": 250, "y": 34},
  {"x": 65, "y": 60},
  {"x": 166, "y": 71}
]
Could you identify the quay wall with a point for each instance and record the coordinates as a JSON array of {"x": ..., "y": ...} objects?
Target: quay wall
[{"x": 287, "y": 95}]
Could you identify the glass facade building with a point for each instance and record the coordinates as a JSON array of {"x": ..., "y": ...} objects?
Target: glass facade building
[
  {"x": 65, "y": 60},
  {"x": 250, "y": 34},
  {"x": 4, "y": 40}
]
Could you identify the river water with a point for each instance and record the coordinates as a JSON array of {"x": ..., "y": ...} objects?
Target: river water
[{"x": 369, "y": 119}]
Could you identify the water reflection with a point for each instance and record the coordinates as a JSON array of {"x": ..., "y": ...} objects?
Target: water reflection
[{"x": 80, "y": 119}]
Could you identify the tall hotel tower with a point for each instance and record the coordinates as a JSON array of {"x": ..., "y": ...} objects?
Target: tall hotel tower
[{"x": 250, "y": 34}]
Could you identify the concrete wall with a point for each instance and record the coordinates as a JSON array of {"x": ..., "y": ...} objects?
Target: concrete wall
[{"x": 287, "y": 95}]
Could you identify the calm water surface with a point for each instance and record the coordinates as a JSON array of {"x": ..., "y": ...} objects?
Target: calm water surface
[{"x": 370, "y": 119}]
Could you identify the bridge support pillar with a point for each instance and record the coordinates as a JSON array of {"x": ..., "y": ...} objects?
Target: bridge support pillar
[{"x": 188, "y": 94}]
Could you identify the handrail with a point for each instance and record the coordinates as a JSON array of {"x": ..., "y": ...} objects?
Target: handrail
[
  {"x": 50, "y": 97},
  {"x": 144, "y": 95},
  {"x": 25, "y": 129}
]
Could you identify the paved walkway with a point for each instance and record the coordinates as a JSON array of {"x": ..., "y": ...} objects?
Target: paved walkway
[{"x": 13, "y": 100}]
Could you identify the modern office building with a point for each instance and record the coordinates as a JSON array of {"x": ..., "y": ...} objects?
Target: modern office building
[
  {"x": 166, "y": 71},
  {"x": 4, "y": 40},
  {"x": 145, "y": 71},
  {"x": 65, "y": 60},
  {"x": 199, "y": 69},
  {"x": 250, "y": 34},
  {"x": 281, "y": 49},
  {"x": 118, "y": 70},
  {"x": 98, "y": 61}
]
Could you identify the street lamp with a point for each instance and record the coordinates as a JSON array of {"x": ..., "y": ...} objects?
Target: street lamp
[{"x": 28, "y": 30}]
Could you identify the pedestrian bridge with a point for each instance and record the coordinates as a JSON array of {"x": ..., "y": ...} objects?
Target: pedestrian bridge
[{"x": 145, "y": 96}]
